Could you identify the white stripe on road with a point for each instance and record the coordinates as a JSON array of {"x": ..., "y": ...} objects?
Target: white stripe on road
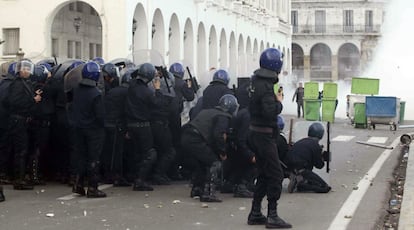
[
  {"x": 379, "y": 140},
  {"x": 343, "y": 138},
  {"x": 345, "y": 214},
  {"x": 74, "y": 195}
]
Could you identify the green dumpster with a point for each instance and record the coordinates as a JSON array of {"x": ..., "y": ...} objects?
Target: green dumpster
[
  {"x": 312, "y": 109},
  {"x": 328, "y": 109},
  {"x": 360, "y": 118},
  {"x": 402, "y": 111}
]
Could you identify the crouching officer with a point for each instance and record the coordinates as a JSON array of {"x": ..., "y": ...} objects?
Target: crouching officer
[
  {"x": 263, "y": 131},
  {"x": 88, "y": 119},
  {"x": 306, "y": 154},
  {"x": 204, "y": 142},
  {"x": 139, "y": 103}
]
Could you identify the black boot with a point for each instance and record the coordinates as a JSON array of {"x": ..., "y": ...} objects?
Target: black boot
[
  {"x": 140, "y": 185},
  {"x": 2, "y": 198},
  {"x": 242, "y": 191},
  {"x": 209, "y": 194},
  {"x": 274, "y": 221},
  {"x": 35, "y": 178},
  {"x": 94, "y": 192},
  {"x": 255, "y": 216},
  {"x": 160, "y": 180},
  {"x": 78, "y": 186},
  {"x": 196, "y": 191}
]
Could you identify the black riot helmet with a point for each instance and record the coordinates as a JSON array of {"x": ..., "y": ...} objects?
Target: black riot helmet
[
  {"x": 111, "y": 70},
  {"x": 146, "y": 72},
  {"x": 316, "y": 130},
  {"x": 229, "y": 103}
]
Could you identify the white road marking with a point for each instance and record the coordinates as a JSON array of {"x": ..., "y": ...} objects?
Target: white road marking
[
  {"x": 345, "y": 214},
  {"x": 379, "y": 140},
  {"x": 343, "y": 138},
  {"x": 74, "y": 195}
]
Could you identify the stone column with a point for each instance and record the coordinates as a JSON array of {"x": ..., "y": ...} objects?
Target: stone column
[
  {"x": 334, "y": 71},
  {"x": 306, "y": 67}
]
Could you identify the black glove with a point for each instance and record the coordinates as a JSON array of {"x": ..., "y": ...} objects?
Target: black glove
[{"x": 326, "y": 155}]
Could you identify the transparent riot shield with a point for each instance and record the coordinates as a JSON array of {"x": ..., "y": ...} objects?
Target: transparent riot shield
[
  {"x": 246, "y": 65},
  {"x": 154, "y": 57}
]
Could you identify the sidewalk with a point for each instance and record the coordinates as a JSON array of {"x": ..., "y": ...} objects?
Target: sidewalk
[{"x": 406, "y": 221}]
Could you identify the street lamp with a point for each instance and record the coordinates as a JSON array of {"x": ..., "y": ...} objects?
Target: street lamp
[
  {"x": 153, "y": 30},
  {"x": 77, "y": 22},
  {"x": 134, "y": 26}
]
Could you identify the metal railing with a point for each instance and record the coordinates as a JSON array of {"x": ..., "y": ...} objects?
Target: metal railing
[{"x": 336, "y": 29}]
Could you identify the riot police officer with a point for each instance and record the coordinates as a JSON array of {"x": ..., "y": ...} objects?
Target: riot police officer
[
  {"x": 88, "y": 119},
  {"x": 115, "y": 130},
  {"x": 306, "y": 154},
  {"x": 204, "y": 142},
  {"x": 264, "y": 108},
  {"x": 184, "y": 92},
  {"x": 39, "y": 129},
  {"x": 22, "y": 99},
  {"x": 5, "y": 157},
  {"x": 111, "y": 76},
  {"x": 216, "y": 89},
  {"x": 140, "y": 100}
]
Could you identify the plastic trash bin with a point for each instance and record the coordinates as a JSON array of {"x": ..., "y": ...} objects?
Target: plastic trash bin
[
  {"x": 402, "y": 111},
  {"x": 360, "y": 119},
  {"x": 312, "y": 109}
]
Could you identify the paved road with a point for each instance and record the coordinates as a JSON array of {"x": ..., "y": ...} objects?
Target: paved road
[{"x": 170, "y": 207}]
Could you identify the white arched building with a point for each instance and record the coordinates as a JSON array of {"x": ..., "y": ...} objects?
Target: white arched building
[{"x": 203, "y": 34}]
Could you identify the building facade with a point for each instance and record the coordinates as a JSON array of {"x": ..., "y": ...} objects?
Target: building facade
[
  {"x": 334, "y": 39},
  {"x": 202, "y": 34}
]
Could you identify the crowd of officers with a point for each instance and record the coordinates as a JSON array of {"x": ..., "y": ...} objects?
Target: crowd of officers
[{"x": 95, "y": 122}]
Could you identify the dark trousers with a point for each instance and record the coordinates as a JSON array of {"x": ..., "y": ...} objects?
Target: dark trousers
[
  {"x": 88, "y": 148},
  {"x": 39, "y": 133},
  {"x": 5, "y": 152},
  {"x": 238, "y": 169},
  {"x": 112, "y": 155},
  {"x": 269, "y": 180},
  {"x": 200, "y": 156},
  {"x": 300, "y": 107},
  {"x": 164, "y": 146},
  {"x": 19, "y": 138},
  {"x": 62, "y": 157},
  {"x": 145, "y": 155},
  {"x": 312, "y": 183}
]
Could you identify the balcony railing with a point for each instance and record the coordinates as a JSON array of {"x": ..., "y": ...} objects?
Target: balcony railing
[{"x": 336, "y": 29}]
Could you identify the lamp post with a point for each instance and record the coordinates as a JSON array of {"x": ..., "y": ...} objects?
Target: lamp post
[{"x": 77, "y": 22}]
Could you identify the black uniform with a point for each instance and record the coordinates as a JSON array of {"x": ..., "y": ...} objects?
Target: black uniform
[
  {"x": 115, "y": 129},
  {"x": 203, "y": 142},
  {"x": 306, "y": 154},
  {"x": 183, "y": 93},
  {"x": 39, "y": 131},
  {"x": 163, "y": 141},
  {"x": 264, "y": 108},
  {"x": 62, "y": 159},
  {"x": 139, "y": 104},
  {"x": 239, "y": 168},
  {"x": 5, "y": 151},
  {"x": 212, "y": 94},
  {"x": 21, "y": 106},
  {"x": 88, "y": 119}
]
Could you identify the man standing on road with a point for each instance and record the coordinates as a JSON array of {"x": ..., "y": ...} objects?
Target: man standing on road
[
  {"x": 299, "y": 98},
  {"x": 263, "y": 131}
]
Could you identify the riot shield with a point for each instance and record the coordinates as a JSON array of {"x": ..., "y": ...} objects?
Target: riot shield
[
  {"x": 61, "y": 69},
  {"x": 246, "y": 65},
  {"x": 299, "y": 130},
  {"x": 154, "y": 57},
  {"x": 72, "y": 78}
]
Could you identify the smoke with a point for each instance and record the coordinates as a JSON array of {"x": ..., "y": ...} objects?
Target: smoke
[{"x": 395, "y": 54}]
